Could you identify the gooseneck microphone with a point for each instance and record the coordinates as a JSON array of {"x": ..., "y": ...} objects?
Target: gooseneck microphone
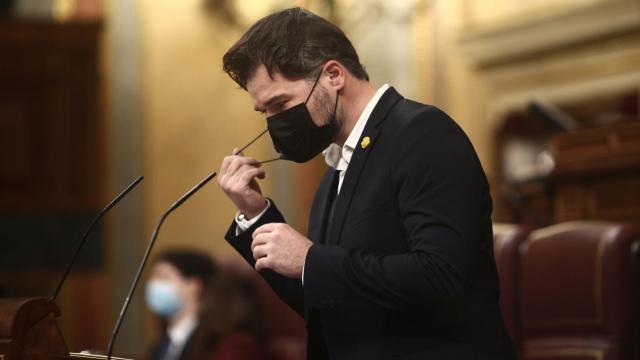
[
  {"x": 147, "y": 252},
  {"x": 83, "y": 240}
]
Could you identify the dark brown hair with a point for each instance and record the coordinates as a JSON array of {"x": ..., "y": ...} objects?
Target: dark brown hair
[
  {"x": 294, "y": 42},
  {"x": 190, "y": 264}
]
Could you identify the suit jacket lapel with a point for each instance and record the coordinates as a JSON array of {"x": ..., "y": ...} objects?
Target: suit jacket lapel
[
  {"x": 319, "y": 209},
  {"x": 358, "y": 160}
]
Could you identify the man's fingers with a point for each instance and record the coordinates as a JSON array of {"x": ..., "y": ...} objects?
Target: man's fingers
[
  {"x": 229, "y": 178},
  {"x": 238, "y": 161},
  {"x": 242, "y": 178},
  {"x": 266, "y": 228},
  {"x": 226, "y": 162},
  {"x": 263, "y": 263},
  {"x": 258, "y": 240},
  {"x": 260, "y": 251},
  {"x": 247, "y": 175},
  {"x": 225, "y": 165},
  {"x": 232, "y": 164}
]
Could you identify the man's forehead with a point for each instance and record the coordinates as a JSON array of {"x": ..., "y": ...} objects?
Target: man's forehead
[
  {"x": 261, "y": 85},
  {"x": 258, "y": 79},
  {"x": 261, "y": 80}
]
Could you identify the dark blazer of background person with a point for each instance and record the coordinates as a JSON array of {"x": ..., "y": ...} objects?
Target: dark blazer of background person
[
  {"x": 238, "y": 345},
  {"x": 408, "y": 269}
]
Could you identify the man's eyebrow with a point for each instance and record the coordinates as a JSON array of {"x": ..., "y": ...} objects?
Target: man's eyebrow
[{"x": 270, "y": 101}]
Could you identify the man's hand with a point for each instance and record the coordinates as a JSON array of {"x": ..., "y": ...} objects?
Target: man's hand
[
  {"x": 280, "y": 248},
  {"x": 238, "y": 180}
]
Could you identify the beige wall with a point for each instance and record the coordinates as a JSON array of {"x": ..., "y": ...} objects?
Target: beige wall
[
  {"x": 497, "y": 12},
  {"x": 193, "y": 116}
]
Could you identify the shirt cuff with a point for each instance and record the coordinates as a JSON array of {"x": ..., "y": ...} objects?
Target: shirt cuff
[
  {"x": 304, "y": 265},
  {"x": 242, "y": 224}
]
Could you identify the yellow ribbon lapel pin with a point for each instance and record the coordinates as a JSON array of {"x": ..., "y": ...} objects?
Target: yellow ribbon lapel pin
[{"x": 365, "y": 142}]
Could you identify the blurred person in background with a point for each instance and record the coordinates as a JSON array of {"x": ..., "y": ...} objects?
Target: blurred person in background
[
  {"x": 206, "y": 313},
  {"x": 174, "y": 293}
]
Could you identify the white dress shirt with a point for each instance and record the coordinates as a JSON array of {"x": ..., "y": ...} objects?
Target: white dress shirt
[
  {"x": 338, "y": 157},
  {"x": 179, "y": 335}
]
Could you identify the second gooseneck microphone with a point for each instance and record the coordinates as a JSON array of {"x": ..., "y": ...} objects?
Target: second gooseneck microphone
[
  {"x": 83, "y": 240},
  {"x": 147, "y": 252}
]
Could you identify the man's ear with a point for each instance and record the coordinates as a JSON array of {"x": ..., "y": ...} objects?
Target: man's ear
[{"x": 336, "y": 74}]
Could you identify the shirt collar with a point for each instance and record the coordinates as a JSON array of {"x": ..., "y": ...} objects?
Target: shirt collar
[
  {"x": 339, "y": 157},
  {"x": 180, "y": 332}
]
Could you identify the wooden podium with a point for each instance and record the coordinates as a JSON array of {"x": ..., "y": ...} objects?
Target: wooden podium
[{"x": 29, "y": 331}]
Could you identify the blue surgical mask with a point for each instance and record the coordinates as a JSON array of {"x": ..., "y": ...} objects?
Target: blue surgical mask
[{"x": 162, "y": 298}]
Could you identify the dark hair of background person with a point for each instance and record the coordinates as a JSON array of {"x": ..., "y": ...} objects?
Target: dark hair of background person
[
  {"x": 230, "y": 306},
  {"x": 294, "y": 42},
  {"x": 190, "y": 264}
]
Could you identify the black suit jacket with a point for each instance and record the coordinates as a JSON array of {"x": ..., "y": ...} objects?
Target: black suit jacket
[
  {"x": 159, "y": 350},
  {"x": 407, "y": 270}
]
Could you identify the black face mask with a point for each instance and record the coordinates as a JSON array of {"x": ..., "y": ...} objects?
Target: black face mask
[{"x": 294, "y": 134}]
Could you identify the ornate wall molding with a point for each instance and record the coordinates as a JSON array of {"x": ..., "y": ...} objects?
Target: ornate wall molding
[{"x": 524, "y": 38}]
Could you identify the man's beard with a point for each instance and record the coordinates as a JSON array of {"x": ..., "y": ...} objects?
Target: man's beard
[{"x": 325, "y": 107}]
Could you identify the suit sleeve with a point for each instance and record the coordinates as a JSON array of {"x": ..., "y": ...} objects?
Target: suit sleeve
[
  {"x": 444, "y": 204},
  {"x": 288, "y": 289}
]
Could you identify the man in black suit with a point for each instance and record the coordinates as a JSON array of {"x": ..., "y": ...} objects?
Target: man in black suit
[{"x": 398, "y": 262}]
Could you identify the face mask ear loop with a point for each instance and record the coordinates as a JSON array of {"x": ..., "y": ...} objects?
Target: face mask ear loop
[
  {"x": 252, "y": 141},
  {"x": 314, "y": 86},
  {"x": 335, "y": 107}
]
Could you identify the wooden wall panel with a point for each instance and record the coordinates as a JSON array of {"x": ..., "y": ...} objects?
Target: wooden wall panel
[
  {"x": 49, "y": 117},
  {"x": 52, "y": 169}
]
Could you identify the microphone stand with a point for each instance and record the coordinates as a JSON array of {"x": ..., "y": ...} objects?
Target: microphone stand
[
  {"x": 88, "y": 230},
  {"x": 147, "y": 252}
]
